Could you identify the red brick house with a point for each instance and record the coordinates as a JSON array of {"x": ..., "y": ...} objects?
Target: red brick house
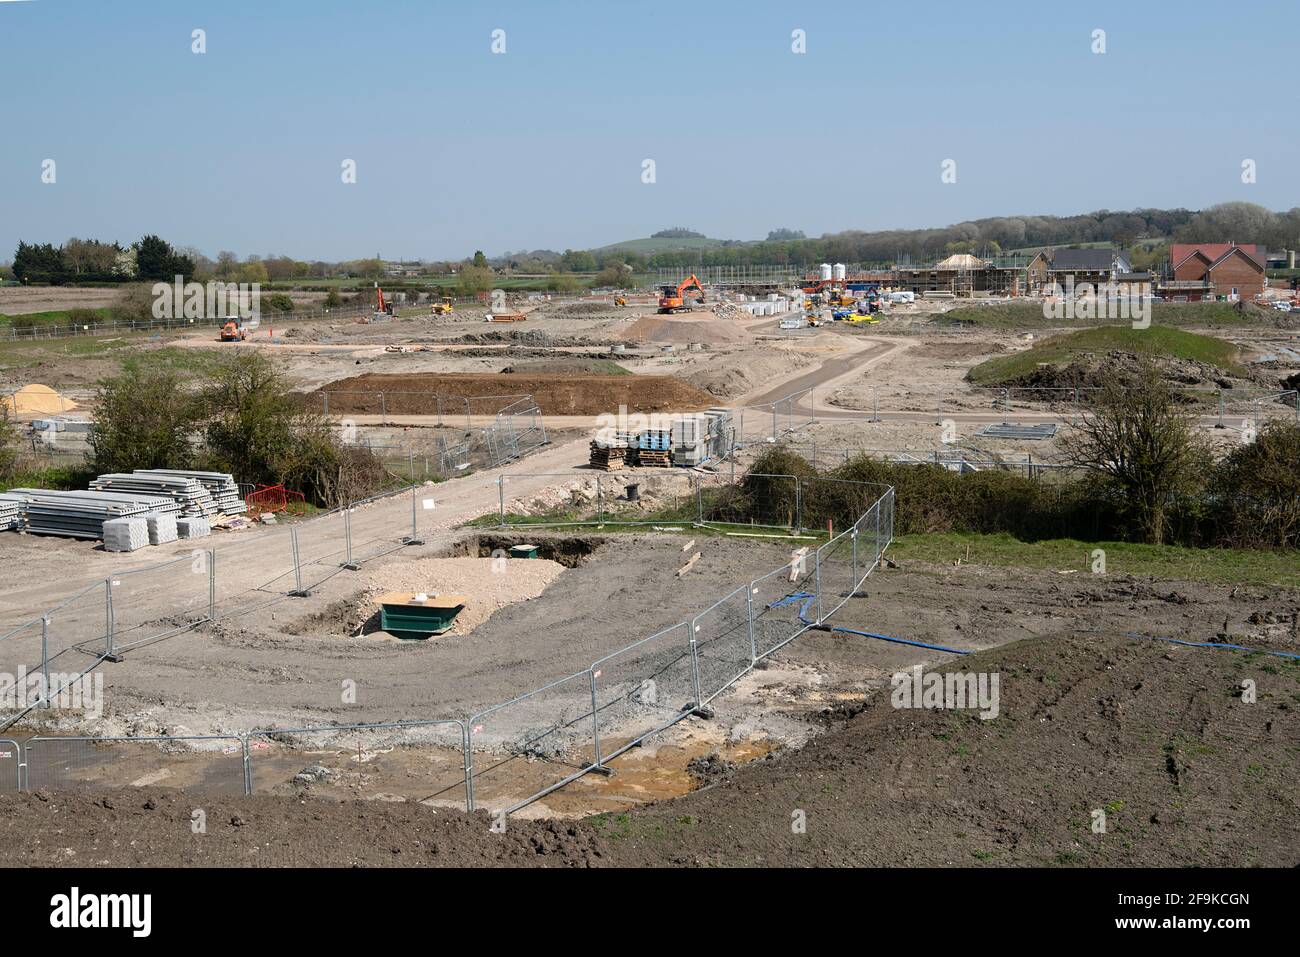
[{"x": 1207, "y": 270}]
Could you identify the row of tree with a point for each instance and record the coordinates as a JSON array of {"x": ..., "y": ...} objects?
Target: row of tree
[{"x": 151, "y": 259}]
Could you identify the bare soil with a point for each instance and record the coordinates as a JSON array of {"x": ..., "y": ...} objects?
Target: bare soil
[
  {"x": 555, "y": 394},
  {"x": 1155, "y": 735}
]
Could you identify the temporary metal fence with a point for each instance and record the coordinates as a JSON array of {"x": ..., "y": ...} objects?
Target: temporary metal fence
[
  {"x": 772, "y": 420},
  {"x": 508, "y": 755},
  {"x": 136, "y": 607},
  {"x": 11, "y": 766}
]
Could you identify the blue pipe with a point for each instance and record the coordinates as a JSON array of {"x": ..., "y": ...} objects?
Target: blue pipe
[
  {"x": 1212, "y": 644},
  {"x": 901, "y": 641}
]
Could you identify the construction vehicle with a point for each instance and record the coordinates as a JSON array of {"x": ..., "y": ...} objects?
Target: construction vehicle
[
  {"x": 620, "y": 300},
  {"x": 233, "y": 330},
  {"x": 672, "y": 298},
  {"x": 443, "y": 308}
]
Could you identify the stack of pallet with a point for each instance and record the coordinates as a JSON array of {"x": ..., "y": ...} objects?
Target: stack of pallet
[
  {"x": 608, "y": 457},
  {"x": 220, "y": 485},
  {"x": 654, "y": 447},
  {"x": 188, "y": 493}
]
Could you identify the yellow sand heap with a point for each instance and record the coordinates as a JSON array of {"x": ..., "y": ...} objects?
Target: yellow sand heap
[{"x": 36, "y": 399}]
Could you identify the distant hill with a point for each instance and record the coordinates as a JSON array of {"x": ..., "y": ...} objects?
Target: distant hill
[{"x": 649, "y": 245}]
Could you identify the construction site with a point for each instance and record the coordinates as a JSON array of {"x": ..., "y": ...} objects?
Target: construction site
[
  {"x": 587, "y": 444},
  {"x": 581, "y": 599}
]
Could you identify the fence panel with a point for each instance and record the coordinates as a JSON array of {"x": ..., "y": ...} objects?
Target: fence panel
[
  {"x": 197, "y": 763},
  {"x": 644, "y": 688},
  {"x": 379, "y": 528},
  {"x": 532, "y": 744},
  {"x": 11, "y": 766},
  {"x": 254, "y": 571},
  {"x": 422, "y": 761},
  {"x": 161, "y": 600},
  {"x": 783, "y": 605},
  {"x": 723, "y": 647},
  {"x": 836, "y": 572},
  {"x": 322, "y": 549}
]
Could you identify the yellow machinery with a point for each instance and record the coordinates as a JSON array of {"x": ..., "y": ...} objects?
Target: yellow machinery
[
  {"x": 443, "y": 308},
  {"x": 620, "y": 300}
]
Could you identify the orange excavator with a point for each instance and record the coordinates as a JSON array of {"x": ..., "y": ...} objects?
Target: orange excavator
[{"x": 672, "y": 298}]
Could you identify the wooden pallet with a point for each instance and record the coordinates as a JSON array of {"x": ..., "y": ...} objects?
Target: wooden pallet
[{"x": 651, "y": 459}]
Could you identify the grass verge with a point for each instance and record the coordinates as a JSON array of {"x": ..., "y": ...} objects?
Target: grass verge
[{"x": 1068, "y": 555}]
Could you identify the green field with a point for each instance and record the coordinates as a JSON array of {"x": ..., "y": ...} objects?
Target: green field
[
  {"x": 1074, "y": 558},
  {"x": 1028, "y": 316},
  {"x": 1157, "y": 342},
  {"x": 57, "y": 317}
]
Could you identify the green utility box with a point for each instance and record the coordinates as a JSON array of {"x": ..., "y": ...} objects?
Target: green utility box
[
  {"x": 404, "y": 615},
  {"x": 523, "y": 551}
]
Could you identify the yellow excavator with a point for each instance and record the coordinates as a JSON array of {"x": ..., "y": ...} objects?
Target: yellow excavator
[
  {"x": 443, "y": 308},
  {"x": 620, "y": 300}
]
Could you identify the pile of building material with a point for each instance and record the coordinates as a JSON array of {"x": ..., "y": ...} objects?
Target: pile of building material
[
  {"x": 697, "y": 438},
  {"x": 192, "y": 526},
  {"x": 83, "y": 514},
  {"x": 11, "y": 512},
  {"x": 63, "y": 423},
  {"x": 608, "y": 457},
  {"x": 189, "y": 494},
  {"x": 506, "y": 317},
  {"x": 220, "y": 485},
  {"x": 125, "y": 534},
  {"x": 654, "y": 447},
  {"x": 162, "y": 528}
]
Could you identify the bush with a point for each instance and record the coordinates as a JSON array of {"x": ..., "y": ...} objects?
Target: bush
[
  {"x": 277, "y": 303},
  {"x": 8, "y": 443},
  {"x": 77, "y": 318},
  {"x": 1254, "y": 492},
  {"x": 145, "y": 419},
  {"x": 263, "y": 433}
]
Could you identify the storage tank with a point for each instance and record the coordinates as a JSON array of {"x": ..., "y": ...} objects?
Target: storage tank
[
  {"x": 839, "y": 271},
  {"x": 826, "y": 270}
]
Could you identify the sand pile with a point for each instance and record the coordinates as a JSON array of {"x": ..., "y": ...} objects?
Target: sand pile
[
  {"x": 684, "y": 328},
  {"x": 488, "y": 583}
]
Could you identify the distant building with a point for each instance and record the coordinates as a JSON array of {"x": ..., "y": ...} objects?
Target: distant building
[
  {"x": 1200, "y": 271},
  {"x": 1053, "y": 268}
]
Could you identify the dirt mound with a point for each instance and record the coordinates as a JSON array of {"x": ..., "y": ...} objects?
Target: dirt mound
[
  {"x": 416, "y": 393},
  {"x": 1155, "y": 734},
  {"x": 1094, "y": 370},
  {"x": 681, "y": 329}
]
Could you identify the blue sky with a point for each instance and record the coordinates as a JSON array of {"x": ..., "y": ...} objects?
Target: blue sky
[{"x": 459, "y": 149}]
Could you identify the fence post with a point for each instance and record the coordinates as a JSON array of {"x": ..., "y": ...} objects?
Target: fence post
[
  {"x": 248, "y": 765},
  {"x": 414, "y": 538},
  {"x": 383, "y": 410},
  {"x": 501, "y": 500},
  {"x": 695, "y": 665},
  {"x": 298, "y": 591},
  {"x": 600, "y": 501},
  {"x": 595, "y": 719},
  {"x": 798, "y": 505},
  {"x": 853, "y": 541},
  {"x": 749, "y": 609},
  {"x": 699, "y": 499},
  {"x": 110, "y": 623},
  {"x": 465, "y": 732},
  {"x": 212, "y": 584},
  {"x": 325, "y": 398},
  {"x": 817, "y": 573},
  {"x": 45, "y": 659}
]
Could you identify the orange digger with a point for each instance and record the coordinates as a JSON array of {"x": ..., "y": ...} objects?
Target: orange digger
[{"x": 672, "y": 298}]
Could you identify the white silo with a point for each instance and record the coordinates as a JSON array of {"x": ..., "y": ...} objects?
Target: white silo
[
  {"x": 826, "y": 270},
  {"x": 839, "y": 272}
]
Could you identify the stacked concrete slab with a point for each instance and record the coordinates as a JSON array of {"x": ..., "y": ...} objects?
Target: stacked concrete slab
[
  {"x": 126, "y": 534},
  {"x": 82, "y": 514}
]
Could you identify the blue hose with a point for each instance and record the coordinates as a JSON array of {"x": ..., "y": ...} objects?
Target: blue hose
[
  {"x": 1211, "y": 644},
  {"x": 901, "y": 641}
]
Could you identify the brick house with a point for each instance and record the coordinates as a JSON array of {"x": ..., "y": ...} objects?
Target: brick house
[{"x": 1206, "y": 270}]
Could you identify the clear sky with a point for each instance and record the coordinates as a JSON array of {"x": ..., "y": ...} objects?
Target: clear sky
[{"x": 458, "y": 148}]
